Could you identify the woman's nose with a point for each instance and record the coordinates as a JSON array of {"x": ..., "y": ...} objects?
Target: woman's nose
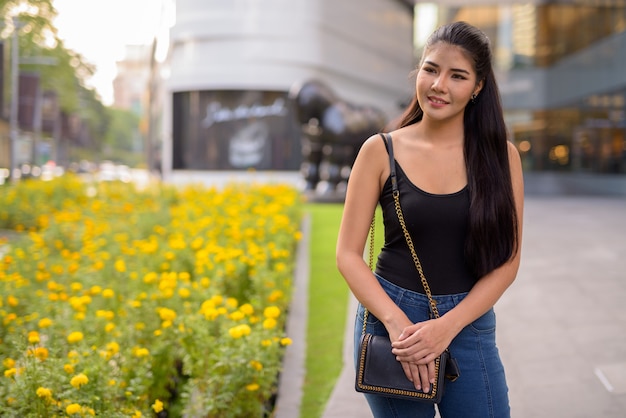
[{"x": 439, "y": 84}]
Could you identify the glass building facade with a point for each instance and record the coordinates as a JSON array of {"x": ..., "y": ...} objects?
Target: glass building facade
[{"x": 561, "y": 66}]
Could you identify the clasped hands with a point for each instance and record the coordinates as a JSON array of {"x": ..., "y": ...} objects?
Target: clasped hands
[{"x": 417, "y": 347}]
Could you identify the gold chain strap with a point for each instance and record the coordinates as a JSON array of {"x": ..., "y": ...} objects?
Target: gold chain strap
[
  {"x": 371, "y": 261},
  {"x": 416, "y": 260},
  {"x": 407, "y": 236}
]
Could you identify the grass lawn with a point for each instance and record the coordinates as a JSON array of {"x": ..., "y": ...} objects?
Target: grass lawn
[
  {"x": 328, "y": 304},
  {"x": 328, "y": 296}
]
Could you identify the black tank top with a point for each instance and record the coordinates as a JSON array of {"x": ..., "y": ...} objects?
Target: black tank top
[{"x": 438, "y": 227}]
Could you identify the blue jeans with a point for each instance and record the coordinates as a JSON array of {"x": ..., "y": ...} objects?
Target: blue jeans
[{"x": 480, "y": 391}]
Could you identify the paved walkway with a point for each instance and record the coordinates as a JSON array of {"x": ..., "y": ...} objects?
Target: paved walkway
[{"x": 562, "y": 324}]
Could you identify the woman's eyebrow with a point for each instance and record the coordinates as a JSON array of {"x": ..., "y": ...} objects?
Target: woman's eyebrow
[{"x": 456, "y": 70}]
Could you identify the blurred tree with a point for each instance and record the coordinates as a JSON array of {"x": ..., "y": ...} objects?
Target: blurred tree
[
  {"x": 123, "y": 132},
  {"x": 122, "y": 142},
  {"x": 61, "y": 69}
]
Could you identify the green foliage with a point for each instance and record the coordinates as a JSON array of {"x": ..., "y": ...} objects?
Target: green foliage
[{"x": 38, "y": 38}]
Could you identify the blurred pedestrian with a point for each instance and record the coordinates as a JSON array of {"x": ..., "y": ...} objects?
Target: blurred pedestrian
[{"x": 461, "y": 191}]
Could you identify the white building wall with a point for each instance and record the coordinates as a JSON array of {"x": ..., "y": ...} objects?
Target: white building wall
[{"x": 362, "y": 49}]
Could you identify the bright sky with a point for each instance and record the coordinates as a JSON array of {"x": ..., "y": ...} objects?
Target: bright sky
[{"x": 101, "y": 29}]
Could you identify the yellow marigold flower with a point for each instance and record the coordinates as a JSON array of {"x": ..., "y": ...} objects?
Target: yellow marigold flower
[
  {"x": 13, "y": 301},
  {"x": 72, "y": 409},
  {"x": 167, "y": 314},
  {"x": 150, "y": 277},
  {"x": 75, "y": 337},
  {"x": 10, "y": 317},
  {"x": 239, "y": 331},
  {"x": 285, "y": 341},
  {"x": 269, "y": 323},
  {"x": 252, "y": 387},
  {"x": 109, "y": 327},
  {"x": 157, "y": 406},
  {"x": 271, "y": 312},
  {"x": 120, "y": 266},
  {"x": 140, "y": 326},
  {"x": 247, "y": 309},
  {"x": 275, "y": 295},
  {"x": 184, "y": 293},
  {"x": 113, "y": 347},
  {"x": 33, "y": 337},
  {"x": 73, "y": 354},
  {"x": 44, "y": 392},
  {"x": 256, "y": 365},
  {"x": 232, "y": 302},
  {"x": 136, "y": 414},
  {"x": 237, "y": 315},
  {"x": 205, "y": 282},
  {"x": 10, "y": 372},
  {"x": 76, "y": 286},
  {"x": 95, "y": 290},
  {"x": 108, "y": 293},
  {"x": 69, "y": 369},
  {"x": 8, "y": 363},
  {"x": 112, "y": 382},
  {"x": 79, "y": 380},
  {"x": 266, "y": 343},
  {"x": 141, "y": 352},
  {"x": 101, "y": 313},
  {"x": 45, "y": 322},
  {"x": 41, "y": 353}
]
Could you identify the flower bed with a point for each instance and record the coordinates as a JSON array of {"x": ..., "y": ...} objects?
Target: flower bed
[{"x": 123, "y": 303}]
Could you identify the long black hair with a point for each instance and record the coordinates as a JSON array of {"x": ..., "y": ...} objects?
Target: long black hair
[{"x": 493, "y": 235}]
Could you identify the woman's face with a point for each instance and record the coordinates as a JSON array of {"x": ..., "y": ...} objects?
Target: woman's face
[{"x": 445, "y": 82}]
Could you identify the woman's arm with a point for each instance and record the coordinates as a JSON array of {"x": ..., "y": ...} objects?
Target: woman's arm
[
  {"x": 425, "y": 341},
  {"x": 369, "y": 172}
]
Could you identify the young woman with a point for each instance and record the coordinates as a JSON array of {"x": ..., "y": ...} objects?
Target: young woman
[{"x": 461, "y": 192}]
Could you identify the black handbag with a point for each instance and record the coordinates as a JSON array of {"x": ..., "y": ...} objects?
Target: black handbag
[{"x": 378, "y": 371}]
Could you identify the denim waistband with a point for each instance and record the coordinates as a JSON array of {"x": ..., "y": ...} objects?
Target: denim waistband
[{"x": 407, "y": 297}]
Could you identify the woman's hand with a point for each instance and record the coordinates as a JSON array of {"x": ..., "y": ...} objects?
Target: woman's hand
[
  {"x": 422, "y": 376},
  {"x": 418, "y": 346}
]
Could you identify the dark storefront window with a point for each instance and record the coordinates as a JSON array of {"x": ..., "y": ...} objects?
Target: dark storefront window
[
  {"x": 234, "y": 130},
  {"x": 579, "y": 140}
]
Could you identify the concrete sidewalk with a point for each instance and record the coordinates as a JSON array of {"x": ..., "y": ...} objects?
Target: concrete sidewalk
[{"x": 562, "y": 324}]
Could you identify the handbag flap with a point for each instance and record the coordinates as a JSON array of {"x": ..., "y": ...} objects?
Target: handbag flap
[{"x": 379, "y": 372}]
